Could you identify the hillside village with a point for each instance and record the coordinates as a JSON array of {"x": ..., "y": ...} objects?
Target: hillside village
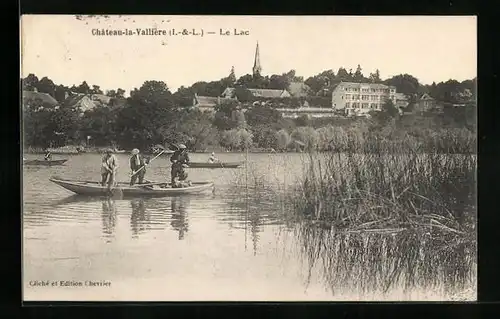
[
  {"x": 232, "y": 103},
  {"x": 294, "y": 100}
]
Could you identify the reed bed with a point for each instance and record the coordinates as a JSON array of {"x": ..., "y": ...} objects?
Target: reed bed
[
  {"x": 378, "y": 263},
  {"x": 389, "y": 218}
]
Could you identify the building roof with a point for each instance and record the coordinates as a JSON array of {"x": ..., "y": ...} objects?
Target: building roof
[
  {"x": 267, "y": 93},
  {"x": 425, "y": 96},
  {"x": 46, "y": 98},
  {"x": 87, "y": 101},
  {"x": 370, "y": 85},
  {"x": 209, "y": 101},
  {"x": 298, "y": 89}
]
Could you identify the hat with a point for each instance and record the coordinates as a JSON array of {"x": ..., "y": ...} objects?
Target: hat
[
  {"x": 135, "y": 151},
  {"x": 109, "y": 151},
  {"x": 213, "y": 153},
  {"x": 182, "y": 146}
]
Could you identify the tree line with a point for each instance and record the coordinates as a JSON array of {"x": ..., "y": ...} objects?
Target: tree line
[{"x": 152, "y": 114}]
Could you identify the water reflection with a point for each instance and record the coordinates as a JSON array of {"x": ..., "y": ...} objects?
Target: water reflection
[
  {"x": 108, "y": 218},
  {"x": 139, "y": 217},
  {"x": 376, "y": 263},
  {"x": 179, "y": 215}
]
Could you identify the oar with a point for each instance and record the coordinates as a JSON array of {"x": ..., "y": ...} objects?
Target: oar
[{"x": 163, "y": 151}]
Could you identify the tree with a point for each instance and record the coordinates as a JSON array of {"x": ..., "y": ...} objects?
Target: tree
[
  {"x": 45, "y": 85},
  {"x": 111, "y": 93},
  {"x": 245, "y": 138},
  {"x": 375, "y": 77},
  {"x": 232, "y": 76},
  {"x": 96, "y": 89},
  {"x": 149, "y": 116},
  {"x": 100, "y": 124},
  {"x": 278, "y": 82},
  {"x": 321, "y": 82},
  {"x": 405, "y": 84},
  {"x": 224, "y": 118},
  {"x": 307, "y": 136},
  {"x": 243, "y": 94},
  {"x": 358, "y": 75},
  {"x": 184, "y": 97},
  {"x": 292, "y": 77},
  {"x": 120, "y": 93},
  {"x": 264, "y": 136},
  {"x": 302, "y": 120},
  {"x": 230, "y": 139},
  {"x": 83, "y": 88},
  {"x": 30, "y": 82},
  {"x": 197, "y": 129},
  {"x": 60, "y": 93},
  {"x": 262, "y": 115},
  {"x": 342, "y": 75},
  {"x": 66, "y": 123},
  {"x": 153, "y": 93},
  {"x": 388, "y": 113},
  {"x": 283, "y": 139}
]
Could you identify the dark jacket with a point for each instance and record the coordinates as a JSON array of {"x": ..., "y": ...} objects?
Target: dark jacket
[
  {"x": 180, "y": 157},
  {"x": 133, "y": 162}
]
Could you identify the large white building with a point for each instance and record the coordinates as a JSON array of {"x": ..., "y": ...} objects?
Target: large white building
[{"x": 361, "y": 98}]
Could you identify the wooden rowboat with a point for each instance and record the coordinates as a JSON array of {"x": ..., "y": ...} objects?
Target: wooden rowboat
[
  {"x": 160, "y": 189},
  {"x": 44, "y": 162},
  {"x": 215, "y": 165}
]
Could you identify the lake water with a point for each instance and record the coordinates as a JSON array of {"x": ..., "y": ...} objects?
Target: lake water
[{"x": 236, "y": 242}]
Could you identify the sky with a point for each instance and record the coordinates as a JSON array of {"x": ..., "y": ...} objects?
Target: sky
[{"x": 63, "y": 48}]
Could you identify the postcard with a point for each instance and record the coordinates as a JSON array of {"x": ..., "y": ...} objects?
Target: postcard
[{"x": 249, "y": 158}]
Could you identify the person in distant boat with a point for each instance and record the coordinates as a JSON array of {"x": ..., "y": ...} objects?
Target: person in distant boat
[
  {"x": 212, "y": 158},
  {"x": 136, "y": 162},
  {"x": 109, "y": 168},
  {"x": 179, "y": 160},
  {"x": 48, "y": 155}
]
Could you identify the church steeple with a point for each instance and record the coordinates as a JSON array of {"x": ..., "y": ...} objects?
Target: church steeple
[{"x": 256, "y": 65}]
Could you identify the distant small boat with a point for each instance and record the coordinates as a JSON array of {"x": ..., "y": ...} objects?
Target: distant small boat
[
  {"x": 160, "y": 189},
  {"x": 215, "y": 165},
  {"x": 44, "y": 162}
]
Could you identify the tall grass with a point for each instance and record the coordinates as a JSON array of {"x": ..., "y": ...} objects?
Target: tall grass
[
  {"x": 389, "y": 218},
  {"x": 379, "y": 189}
]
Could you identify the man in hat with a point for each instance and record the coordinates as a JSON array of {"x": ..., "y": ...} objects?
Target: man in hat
[
  {"x": 108, "y": 168},
  {"x": 179, "y": 160},
  {"x": 136, "y": 162}
]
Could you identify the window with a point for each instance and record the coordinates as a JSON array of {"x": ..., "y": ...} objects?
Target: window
[
  {"x": 393, "y": 90},
  {"x": 365, "y": 97},
  {"x": 365, "y": 105},
  {"x": 355, "y": 89},
  {"x": 374, "y": 97},
  {"x": 373, "y": 105},
  {"x": 373, "y": 90},
  {"x": 347, "y": 96},
  {"x": 347, "y": 104},
  {"x": 364, "y": 90},
  {"x": 356, "y": 97}
]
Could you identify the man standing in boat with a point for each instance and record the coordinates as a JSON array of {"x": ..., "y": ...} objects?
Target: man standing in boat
[
  {"x": 138, "y": 166},
  {"x": 179, "y": 160},
  {"x": 109, "y": 168}
]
